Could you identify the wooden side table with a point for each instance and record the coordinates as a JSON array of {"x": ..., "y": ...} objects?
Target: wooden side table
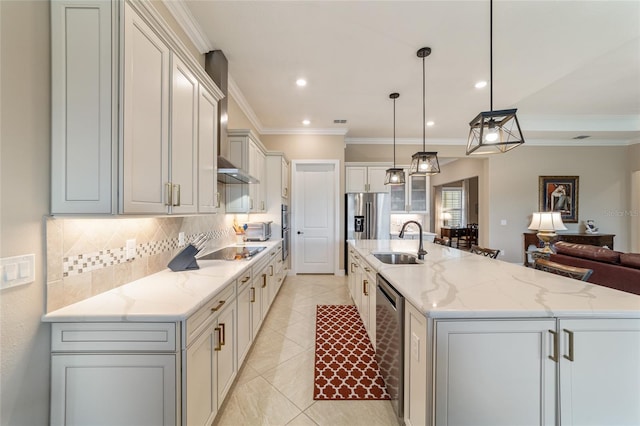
[{"x": 530, "y": 238}]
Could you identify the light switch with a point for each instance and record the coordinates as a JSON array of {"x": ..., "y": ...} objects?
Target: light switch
[
  {"x": 17, "y": 270},
  {"x": 503, "y": 222}
]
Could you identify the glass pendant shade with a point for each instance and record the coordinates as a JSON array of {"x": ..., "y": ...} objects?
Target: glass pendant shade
[
  {"x": 394, "y": 176},
  {"x": 494, "y": 132},
  {"x": 424, "y": 163}
]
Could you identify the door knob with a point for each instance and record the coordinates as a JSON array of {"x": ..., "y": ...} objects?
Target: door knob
[{"x": 299, "y": 232}]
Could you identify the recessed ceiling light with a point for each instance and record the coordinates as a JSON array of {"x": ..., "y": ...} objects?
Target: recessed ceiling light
[
  {"x": 430, "y": 123},
  {"x": 306, "y": 122},
  {"x": 481, "y": 84},
  {"x": 301, "y": 82}
]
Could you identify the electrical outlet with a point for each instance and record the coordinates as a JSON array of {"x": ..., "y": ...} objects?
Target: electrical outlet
[
  {"x": 181, "y": 239},
  {"x": 503, "y": 222},
  {"x": 130, "y": 249}
]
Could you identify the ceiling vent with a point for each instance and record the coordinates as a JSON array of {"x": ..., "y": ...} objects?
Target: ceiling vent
[
  {"x": 339, "y": 121},
  {"x": 582, "y": 137}
]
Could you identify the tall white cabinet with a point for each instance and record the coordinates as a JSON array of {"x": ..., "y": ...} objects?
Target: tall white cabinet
[
  {"x": 247, "y": 152},
  {"x": 127, "y": 124},
  {"x": 84, "y": 127},
  {"x": 366, "y": 178}
]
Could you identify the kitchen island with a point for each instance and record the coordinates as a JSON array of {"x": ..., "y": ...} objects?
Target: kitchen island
[
  {"x": 164, "y": 349},
  {"x": 489, "y": 342}
]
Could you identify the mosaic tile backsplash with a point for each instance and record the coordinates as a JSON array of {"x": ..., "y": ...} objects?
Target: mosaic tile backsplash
[{"x": 86, "y": 257}]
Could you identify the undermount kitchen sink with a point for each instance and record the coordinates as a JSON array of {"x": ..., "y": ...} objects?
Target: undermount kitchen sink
[{"x": 397, "y": 258}]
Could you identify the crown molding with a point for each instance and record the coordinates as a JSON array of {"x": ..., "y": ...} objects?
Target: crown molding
[
  {"x": 294, "y": 131},
  {"x": 185, "y": 19}
]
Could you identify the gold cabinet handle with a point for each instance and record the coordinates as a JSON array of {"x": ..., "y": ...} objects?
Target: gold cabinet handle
[
  {"x": 218, "y": 344},
  {"x": 220, "y": 303},
  {"x": 245, "y": 280},
  {"x": 285, "y": 191},
  {"x": 264, "y": 280},
  {"x": 367, "y": 269},
  {"x": 554, "y": 357},
  {"x": 217, "y": 199},
  {"x": 570, "y": 334},
  {"x": 176, "y": 187},
  {"x": 365, "y": 285},
  {"x": 222, "y": 333},
  {"x": 351, "y": 266},
  {"x": 253, "y": 295},
  {"x": 168, "y": 188},
  {"x": 271, "y": 273}
]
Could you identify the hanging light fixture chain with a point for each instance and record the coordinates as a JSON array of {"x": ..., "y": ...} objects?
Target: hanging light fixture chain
[
  {"x": 394, "y": 132},
  {"x": 424, "y": 107},
  {"x": 491, "y": 54}
]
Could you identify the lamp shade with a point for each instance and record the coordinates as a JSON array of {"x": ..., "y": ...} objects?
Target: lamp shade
[{"x": 546, "y": 222}]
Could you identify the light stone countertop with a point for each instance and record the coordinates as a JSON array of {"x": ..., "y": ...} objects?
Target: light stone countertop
[
  {"x": 452, "y": 283},
  {"x": 165, "y": 296}
]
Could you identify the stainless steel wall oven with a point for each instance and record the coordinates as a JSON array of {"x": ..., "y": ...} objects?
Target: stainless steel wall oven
[{"x": 285, "y": 231}]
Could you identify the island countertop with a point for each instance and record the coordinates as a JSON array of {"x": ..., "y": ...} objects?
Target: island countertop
[
  {"x": 452, "y": 283},
  {"x": 163, "y": 296}
]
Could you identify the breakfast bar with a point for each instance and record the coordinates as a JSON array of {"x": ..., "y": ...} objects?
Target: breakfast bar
[{"x": 490, "y": 342}]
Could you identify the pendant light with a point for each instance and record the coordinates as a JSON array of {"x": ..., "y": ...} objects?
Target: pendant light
[
  {"x": 424, "y": 163},
  {"x": 395, "y": 176},
  {"x": 494, "y": 131}
]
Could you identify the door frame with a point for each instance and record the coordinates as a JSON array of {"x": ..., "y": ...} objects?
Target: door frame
[{"x": 336, "y": 219}]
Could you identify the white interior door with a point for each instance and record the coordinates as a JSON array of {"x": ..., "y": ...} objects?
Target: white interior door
[
  {"x": 635, "y": 208},
  {"x": 314, "y": 217}
]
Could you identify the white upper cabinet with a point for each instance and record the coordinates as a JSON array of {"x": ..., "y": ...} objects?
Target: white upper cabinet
[
  {"x": 184, "y": 139},
  {"x": 145, "y": 163},
  {"x": 82, "y": 108},
  {"x": 125, "y": 113},
  {"x": 366, "y": 179},
  {"x": 208, "y": 196}
]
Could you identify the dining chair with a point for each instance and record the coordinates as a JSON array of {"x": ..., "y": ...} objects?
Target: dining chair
[
  {"x": 574, "y": 272},
  {"x": 469, "y": 237},
  {"x": 487, "y": 252}
]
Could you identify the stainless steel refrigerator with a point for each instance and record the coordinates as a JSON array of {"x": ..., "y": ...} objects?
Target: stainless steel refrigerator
[{"x": 367, "y": 217}]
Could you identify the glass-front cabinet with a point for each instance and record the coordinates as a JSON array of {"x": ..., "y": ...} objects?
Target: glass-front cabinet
[{"x": 412, "y": 197}]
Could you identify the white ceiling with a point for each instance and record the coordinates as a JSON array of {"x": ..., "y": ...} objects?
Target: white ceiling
[{"x": 570, "y": 67}]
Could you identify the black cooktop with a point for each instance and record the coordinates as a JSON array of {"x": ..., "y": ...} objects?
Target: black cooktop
[{"x": 233, "y": 253}]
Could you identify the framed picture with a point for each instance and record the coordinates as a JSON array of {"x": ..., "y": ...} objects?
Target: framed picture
[{"x": 559, "y": 193}]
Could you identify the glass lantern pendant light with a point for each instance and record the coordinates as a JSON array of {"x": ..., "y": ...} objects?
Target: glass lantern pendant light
[
  {"x": 424, "y": 163},
  {"x": 494, "y": 131},
  {"x": 395, "y": 176}
]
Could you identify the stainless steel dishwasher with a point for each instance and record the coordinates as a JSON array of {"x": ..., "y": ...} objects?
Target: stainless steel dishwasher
[{"x": 390, "y": 342}]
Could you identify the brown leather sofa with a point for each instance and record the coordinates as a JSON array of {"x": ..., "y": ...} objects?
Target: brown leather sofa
[{"x": 611, "y": 268}]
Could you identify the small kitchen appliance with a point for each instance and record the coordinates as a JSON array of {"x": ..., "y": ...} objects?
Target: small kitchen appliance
[{"x": 258, "y": 231}]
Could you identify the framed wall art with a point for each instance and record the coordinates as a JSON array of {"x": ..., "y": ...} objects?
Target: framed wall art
[{"x": 559, "y": 193}]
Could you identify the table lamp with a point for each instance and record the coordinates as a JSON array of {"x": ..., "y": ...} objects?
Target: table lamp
[
  {"x": 547, "y": 223},
  {"x": 446, "y": 217}
]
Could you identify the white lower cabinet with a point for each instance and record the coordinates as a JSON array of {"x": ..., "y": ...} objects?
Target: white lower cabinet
[
  {"x": 494, "y": 373},
  {"x": 417, "y": 360},
  {"x": 599, "y": 371},
  {"x": 114, "y": 374},
  {"x": 362, "y": 286},
  {"x": 246, "y": 299},
  {"x": 519, "y": 371},
  {"x": 210, "y": 357}
]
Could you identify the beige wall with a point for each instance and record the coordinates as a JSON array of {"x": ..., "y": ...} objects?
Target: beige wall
[
  {"x": 604, "y": 191},
  {"x": 384, "y": 153},
  {"x": 24, "y": 164}
]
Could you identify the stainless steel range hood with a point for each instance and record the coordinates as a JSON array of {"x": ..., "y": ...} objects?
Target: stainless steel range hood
[{"x": 230, "y": 174}]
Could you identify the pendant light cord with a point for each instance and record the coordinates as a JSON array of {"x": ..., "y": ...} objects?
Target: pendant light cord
[
  {"x": 394, "y": 133},
  {"x": 424, "y": 108},
  {"x": 491, "y": 52}
]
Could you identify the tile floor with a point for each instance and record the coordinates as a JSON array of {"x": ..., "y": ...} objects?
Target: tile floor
[{"x": 275, "y": 384}]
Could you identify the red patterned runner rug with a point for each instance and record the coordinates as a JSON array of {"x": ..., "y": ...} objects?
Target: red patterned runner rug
[{"x": 345, "y": 365}]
